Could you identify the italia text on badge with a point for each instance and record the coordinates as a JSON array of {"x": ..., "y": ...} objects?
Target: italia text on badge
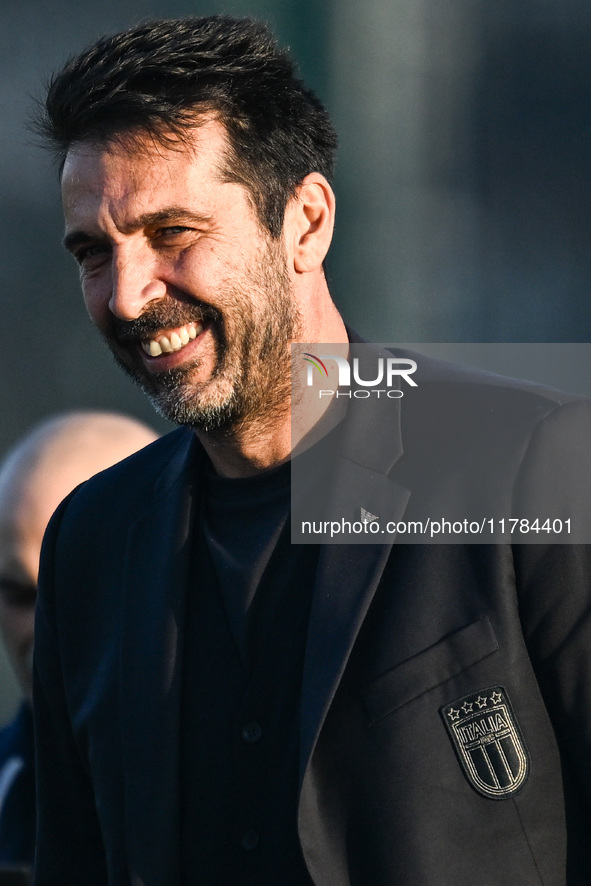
[{"x": 488, "y": 742}]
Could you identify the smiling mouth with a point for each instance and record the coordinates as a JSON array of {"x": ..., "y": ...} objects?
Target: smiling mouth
[{"x": 172, "y": 341}]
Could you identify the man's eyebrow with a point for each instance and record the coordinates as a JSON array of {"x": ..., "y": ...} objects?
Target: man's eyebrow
[
  {"x": 168, "y": 215},
  {"x": 13, "y": 583},
  {"x": 171, "y": 214}
]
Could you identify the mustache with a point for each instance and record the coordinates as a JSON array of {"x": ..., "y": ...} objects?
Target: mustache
[{"x": 160, "y": 316}]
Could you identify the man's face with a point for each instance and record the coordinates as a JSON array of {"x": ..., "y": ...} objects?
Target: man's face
[
  {"x": 192, "y": 295},
  {"x": 21, "y": 533}
]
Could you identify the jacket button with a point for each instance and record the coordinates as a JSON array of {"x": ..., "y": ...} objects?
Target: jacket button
[
  {"x": 251, "y": 733},
  {"x": 250, "y": 840}
]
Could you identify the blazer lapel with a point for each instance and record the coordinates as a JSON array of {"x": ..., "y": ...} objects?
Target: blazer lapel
[
  {"x": 157, "y": 560},
  {"x": 348, "y": 574}
]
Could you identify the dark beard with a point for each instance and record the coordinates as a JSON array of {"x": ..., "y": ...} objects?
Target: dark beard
[
  {"x": 169, "y": 394},
  {"x": 258, "y": 362}
]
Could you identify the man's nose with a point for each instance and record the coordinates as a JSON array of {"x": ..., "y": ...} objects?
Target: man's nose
[{"x": 135, "y": 283}]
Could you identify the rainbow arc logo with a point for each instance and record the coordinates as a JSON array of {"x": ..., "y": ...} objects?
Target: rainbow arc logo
[{"x": 317, "y": 363}]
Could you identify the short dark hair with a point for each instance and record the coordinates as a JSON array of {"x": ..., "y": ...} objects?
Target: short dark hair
[{"x": 159, "y": 77}]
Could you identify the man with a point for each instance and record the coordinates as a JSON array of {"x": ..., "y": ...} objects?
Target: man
[
  {"x": 43, "y": 467},
  {"x": 216, "y": 705}
]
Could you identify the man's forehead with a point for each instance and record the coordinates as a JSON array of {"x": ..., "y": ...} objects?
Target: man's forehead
[
  {"x": 205, "y": 142},
  {"x": 14, "y": 537}
]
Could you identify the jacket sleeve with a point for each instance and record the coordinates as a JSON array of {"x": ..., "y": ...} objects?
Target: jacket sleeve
[
  {"x": 554, "y": 582},
  {"x": 69, "y": 848}
]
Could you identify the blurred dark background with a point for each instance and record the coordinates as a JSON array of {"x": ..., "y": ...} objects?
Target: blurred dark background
[{"x": 463, "y": 185}]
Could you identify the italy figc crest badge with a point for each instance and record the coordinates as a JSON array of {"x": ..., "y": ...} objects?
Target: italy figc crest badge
[{"x": 488, "y": 742}]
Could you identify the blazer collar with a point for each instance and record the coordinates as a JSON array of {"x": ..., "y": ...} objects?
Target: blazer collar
[
  {"x": 348, "y": 574},
  {"x": 155, "y": 580}
]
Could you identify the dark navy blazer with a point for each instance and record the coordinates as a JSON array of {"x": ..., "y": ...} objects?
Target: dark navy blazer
[
  {"x": 445, "y": 724},
  {"x": 17, "y": 790}
]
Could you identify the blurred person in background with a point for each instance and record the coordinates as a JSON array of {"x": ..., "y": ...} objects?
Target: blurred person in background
[{"x": 42, "y": 469}]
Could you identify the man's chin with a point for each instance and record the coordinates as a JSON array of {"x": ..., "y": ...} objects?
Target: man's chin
[
  {"x": 173, "y": 395},
  {"x": 200, "y": 416}
]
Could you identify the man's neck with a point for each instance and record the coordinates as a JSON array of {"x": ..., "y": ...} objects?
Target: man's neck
[{"x": 250, "y": 448}]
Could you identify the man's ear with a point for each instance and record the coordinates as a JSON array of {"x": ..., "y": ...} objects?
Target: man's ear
[{"x": 309, "y": 222}]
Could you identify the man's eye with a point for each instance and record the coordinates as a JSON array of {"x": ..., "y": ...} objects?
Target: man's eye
[
  {"x": 15, "y": 593},
  {"x": 172, "y": 232},
  {"x": 85, "y": 254}
]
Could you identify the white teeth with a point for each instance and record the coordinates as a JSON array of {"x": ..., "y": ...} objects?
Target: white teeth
[{"x": 167, "y": 344}]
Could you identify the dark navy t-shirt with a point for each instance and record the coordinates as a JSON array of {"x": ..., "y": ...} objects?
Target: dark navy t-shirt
[{"x": 245, "y": 634}]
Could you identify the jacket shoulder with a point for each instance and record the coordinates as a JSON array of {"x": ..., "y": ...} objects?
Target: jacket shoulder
[
  {"x": 451, "y": 396},
  {"x": 434, "y": 372},
  {"x": 128, "y": 486}
]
